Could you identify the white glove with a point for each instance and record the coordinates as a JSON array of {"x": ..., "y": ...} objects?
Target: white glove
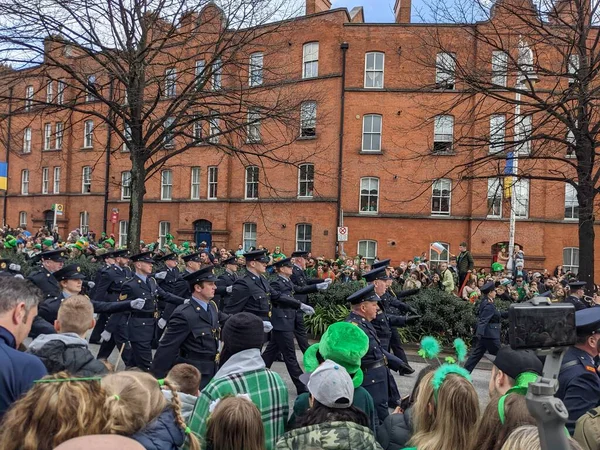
[
  {"x": 105, "y": 336},
  {"x": 161, "y": 275},
  {"x": 229, "y": 289},
  {"x": 91, "y": 284},
  {"x": 327, "y": 280},
  {"x": 138, "y": 303},
  {"x": 19, "y": 276},
  {"x": 162, "y": 323},
  {"x": 322, "y": 286},
  {"x": 307, "y": 309},
  {"x": 15, "y": 267},
  {"x": 267, "y": 326}
]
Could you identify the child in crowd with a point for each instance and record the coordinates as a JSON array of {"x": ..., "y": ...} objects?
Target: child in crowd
[
  {"x": 235, "y": 423},
  {"x": 528, "y": 438},
  {"x": 68, "y": 350},
  {"x": 187, "y": 380}
]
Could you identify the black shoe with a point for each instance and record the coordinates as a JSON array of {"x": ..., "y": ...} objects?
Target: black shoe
[{"x": 405, "y": 369}]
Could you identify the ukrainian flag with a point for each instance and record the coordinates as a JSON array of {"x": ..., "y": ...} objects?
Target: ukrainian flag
[{"x": 3, "y": 175}]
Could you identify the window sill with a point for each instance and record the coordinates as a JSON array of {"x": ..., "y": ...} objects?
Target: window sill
[
  {"x": 166, "y": 199},
  {"x": 86, "y": 148},
  {"x": 305, "y": 197},
  {"x": 51, "y": 150},
  {"x": 368, "y": 213},
  {"x": 452, "y": 153},
  {"x": 26, "y": 153},
  {"x": 306, "y": 138},
  {"x": 371, "y": 88},
  {"x": 440, "y": 214},
  {"x": 211, "y": 198},
  {"x": 571, "y": 220},
  {"x": 370, "y": 152},
  {"x": 251, "y": 142},
  {"x": 247, "y": 199},
  {"x": 572, "y": 156}
]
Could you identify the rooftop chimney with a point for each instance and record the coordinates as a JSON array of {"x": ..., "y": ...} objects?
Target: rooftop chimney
[
  {"x": 316, "y": 6},
  {"x": 402, "y": 11}
]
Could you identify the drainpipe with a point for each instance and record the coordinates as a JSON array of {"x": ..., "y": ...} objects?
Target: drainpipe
[
  {"x": 344, "y": 48},
  {"x": 7, "y": 155}
]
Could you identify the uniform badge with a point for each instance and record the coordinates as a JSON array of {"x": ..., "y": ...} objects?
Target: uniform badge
[
  {"x": 78, "y": 269},
  {"x": 123, "y": 297},
  {"x": 3, "y": 265}
]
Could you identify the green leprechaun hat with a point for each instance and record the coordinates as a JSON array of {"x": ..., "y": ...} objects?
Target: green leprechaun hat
[{"x": 343, "y": 343}]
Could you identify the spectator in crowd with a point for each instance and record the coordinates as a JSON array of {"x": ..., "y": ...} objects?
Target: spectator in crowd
[
  {"x": 55, "y": 410},
  {"x": 235, "y": 423},
  {"x": 187, "y": 379},
  {"x": 68, "y": 350},
  {"x": 447, "y": 278},
  {"x": 100, "y": 442},
  {"x": 509, "y": 366},
  {"x": 240, "y": 251},
  {"x": 18, "y": 307},
  {"x": 243, "y": 371},
  {"x": 527, "y": 438},
  {"x": 587, "y": 430},
  {"x": 332, "y": 421},
  {"x": 471, "y": 292},
  {"x": 436, "y": 282},
  {"x": 413, "y": 282},
  {"x": 464, "y": 264},
  {"x": 138, "y": 409}
]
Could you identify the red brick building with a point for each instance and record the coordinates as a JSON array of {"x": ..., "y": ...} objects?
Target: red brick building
[{"x": 371, "y": 113}]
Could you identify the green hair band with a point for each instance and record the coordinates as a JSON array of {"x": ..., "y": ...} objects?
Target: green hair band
[
  {"x": 161, "y": 382},
  {"x": 520, "y": 388},
  {"x": 116, "y": 397},
  {"x": 61, "y": 380},
  {"x": 187, "y": 430},
  {"x": 430, "y": 348},
  {"x": 442, "y": 372}
]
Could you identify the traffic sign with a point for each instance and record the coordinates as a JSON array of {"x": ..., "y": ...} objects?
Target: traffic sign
[
  {"x": 58, "y": 209},
  {"x": 342, "y": 234}
]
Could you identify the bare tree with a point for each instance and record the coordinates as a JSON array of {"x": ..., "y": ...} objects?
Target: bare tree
[{"x": 161, "y": 75}]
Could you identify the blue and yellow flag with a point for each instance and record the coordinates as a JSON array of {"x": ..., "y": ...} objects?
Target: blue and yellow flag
[{"x": 3, "y": 175}]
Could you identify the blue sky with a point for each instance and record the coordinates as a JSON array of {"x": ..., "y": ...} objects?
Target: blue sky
[{"x": 377, "y": 10}]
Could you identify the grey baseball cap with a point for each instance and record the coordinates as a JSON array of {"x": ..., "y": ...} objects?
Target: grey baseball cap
[{"x": 330, "y": 384}]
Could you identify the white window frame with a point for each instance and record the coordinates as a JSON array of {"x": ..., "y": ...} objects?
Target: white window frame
[
  {"x": 61, "y": 85},
  {"x": 571, "y": 203},
  {"x": 253, "y": 128},
  {"x": 572, "y": 68},
  {"x": 58, "y": 135},
  {"x": 249, "y": 235},
  {"x": 523, "y": 131},
  {"x": 499, "y": 68},
  {"x": 308, "y": 119},
  {"x": 365, "y": 252},
  {"x": 25, "y": 182},
  {"x": 306, "y": 180},
  {"x": 197, "y": 130},
  {"x": 126, "y": 185},
  {"x": 164, "y": 228},
  {"x": 89, "y": 95},
  {"x": 217, "y": 75},
  {"x": 123, "y": 229},
  {"x": 213, "y": 182},
  {"x": 127, "y": 136},
  {"x": 520, "y": 187},
  {"x": 494, "y": 197},
  {"x": 166, "y": 184},
  {"x": 50, "y": 91},
  {"x": 22, "y": 219},
  {"x": 86, "y": 179},
  {"x": 169, "y": 135},
  {"x": 310, "y": 60},
  {"x": 255, "y": 69},
  {"x": 497, "y": 133},
  {"x": 372, "y": 184},
  {"x": 56, "y": 182},
  {"x": 199, "y": 74},
  {"x": 28, "y": 98},
  {"x": 47, "y": 136},
  {"x": 372, "y": 134},
  {"x": 214, "y": 128},
  {"x": 436, "y": 259},
  {"x": 374, "y": 75},
  {"x": 441, "y": 185},
  {"x": 45, "y": 180},
  {"x": 251, "y": 183},
  {"x": 195, "y": 183},
  {"x": 302, "y": 242},
  {"x": 88, "y": 134},
  {"x": 443, "y": 134},
  {"x": 84, "y": 222},
  {"x": 170, "y": 82},
  {"x": 27, "y": 140},
  {"x": 445, "y": 71},
  {"x": 570, "y": 264}
]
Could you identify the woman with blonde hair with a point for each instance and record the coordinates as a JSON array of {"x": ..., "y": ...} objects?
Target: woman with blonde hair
[
  {"x": 527, "y": 438},
  {"x": 235, "y": 424},
  {"x": 56, "y": 409},
  {"x": 137, "y": 408}
]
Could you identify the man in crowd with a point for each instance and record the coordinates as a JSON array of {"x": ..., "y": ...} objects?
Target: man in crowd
[
  {"x": 225, "y": 281},
  {"x": 508, "y": 365},
  {"x": 576, "y": 295},
  {"x": 464, "y": 264}
]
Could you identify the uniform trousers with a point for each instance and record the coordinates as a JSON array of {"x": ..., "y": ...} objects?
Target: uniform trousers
[
  {"x": 300, "y": 332},
  {"x": 482, "y": 344}
]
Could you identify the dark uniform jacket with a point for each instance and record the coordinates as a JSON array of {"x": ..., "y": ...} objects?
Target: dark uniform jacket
[
  {"x": 252, "y": 294},
  {"x": 285, "y": 307},
  {"x": 97, "y": 278},
  {"x": 110, "y": 283},
  {"x": 383, "y": 324},
  {"x": 174, "y": 284},
  {"x": 302, "y": 285},
  {"x": 578, "y": 385},
  {"x": 488, "y": 320},
  {"x": 46, "y": 282},
  {"x": 192, "y": 336},
  {"x": 225, "y": 280},
  {"x": 576, "y": 302}
]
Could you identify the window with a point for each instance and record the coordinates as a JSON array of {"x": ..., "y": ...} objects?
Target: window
[
  {"x": 572, "y": 68},
  {"x": 166, "y": 184},
  {"x": 28, "y": 98},
  {"x": 86, "y": 180},
  {"x": 164, "y": 228},
  {"x": 25, "y": 181},
  {"x": 170, "y": 82},
  {"x": 50, "y": 91},
  {"x": 123, "y": 229},
  {"x": 306, "y": 180},
  {"x": 439, "y": 252},
  {"x": 249, "y": 236},
  {"x": 445, "y": 66},
  {"x": 60, "y": 92},
  {"x": 251, "y": 182},
  {"x": 308, "y": 119},
  {"x": 525, "y": 62},
  {"x": 125, "y": 185},
  {"x": 197, "y": 130},
  {"x": 571, "y": 259},
  {"x": 253, "y": 127},
  {"x": 22, "y": 219},
  {"x": 440, "y": 197},
  {"x": 368, "y": 250},
  {"x": 214, "y": 129},
  {"x": 443, "y": 134},
  {"x": 571, "y": 202},
  {"x": 56, "y": 189},
  {"x": 369, "y": 195},
  {"x": 521, "y": 193},
  {"x": 47, "y": 136},
  {"x": 571, "y": 143},
  {"x": 84, "y": 222},
  {"x": 494, "y": 197},
  {"x": 168, "y": 136},
  {"x": 27, "y": 140},
  {"x": 127, "y": 136},
  {"x": 374, "y": 63},
  {"x": 371, "y": 141},
  {"x": 195, "y": 182},
  {"x": 523, "y": 134},
  {"x": 45, "y": 180},
  {"x": 200, "y": 74},
  {"x": 217, "y": 74},
  {"x": 88, "y": 134},
  {"x": 310, "y": 60},
  {"x": 213, "y": 179},
  {"x": 58, "y": 135},
  {"x": 499, "y": 68},
  {"x": 497, "y": 132},
  {"x": 90, "y": 89},
  {"x": 255, "y": 76},
  {"x": 303, "y": 237}
]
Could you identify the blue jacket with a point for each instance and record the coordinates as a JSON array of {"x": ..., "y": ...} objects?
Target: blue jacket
[
  {"x": 18, "y": 371},
  {"x": 162, "y": 433}
]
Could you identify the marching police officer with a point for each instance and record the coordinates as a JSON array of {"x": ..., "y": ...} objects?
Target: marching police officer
[
  {"x": 578, "y": 381},
  {"x": 171, "y": 280},
  {"x": 142, "y": 324},
  {"x": 52, "y": 260},
  {"x": 193, "y": 330},
  {"x": 576, "y": 296},
  {"x": 377, "y": 360},
  {"x": 225, "y": 281},
  {"x": 487, "y": 333},
  {"x": 283, "y": 320},
  {"x": 108, "y": 260}
]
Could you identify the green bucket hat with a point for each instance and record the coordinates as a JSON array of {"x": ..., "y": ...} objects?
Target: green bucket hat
[
  {"x": 497, "y": 267},
  {"x": 343, "y": 343}
]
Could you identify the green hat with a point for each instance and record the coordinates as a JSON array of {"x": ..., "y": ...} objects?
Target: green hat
[
  {"x": 38, "y": 246},
  {"x": 10, "y": 241},
  {"x": 110, "y": 241},
  {"x": 344, "y": 343},
  {"x": 48, "y": 242},
  {"x": 497, "y": 267}
]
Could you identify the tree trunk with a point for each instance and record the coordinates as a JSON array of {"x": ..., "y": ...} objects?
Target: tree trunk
[
  {"x": 136, "y": 203},
  {"x": 586, "y": 249}
]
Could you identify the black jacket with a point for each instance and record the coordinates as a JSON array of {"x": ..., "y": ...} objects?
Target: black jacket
[
  {"x": 284, "y": 309},
  {"x": 301, "y": 282},
  {"x": 46, "y": 282},
  {"x": 396, "y": 430}
]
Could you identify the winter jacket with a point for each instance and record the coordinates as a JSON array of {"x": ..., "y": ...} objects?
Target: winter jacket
[
  {"x": 329, "y": 436},
  {"x": 187, "y": 403},
  {"x": 396, "y": 430},
  {"x": 162, "y": 433},
  {"x": 66, "y": 352}
]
